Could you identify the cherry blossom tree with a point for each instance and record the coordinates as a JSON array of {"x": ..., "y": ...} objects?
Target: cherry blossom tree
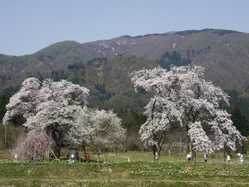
[
  {"x": 107, "y": 130},
  {"x": 34, "y": 147},
  {"x": 182, "y": 98},
  {"x": 53, "y": 107},
  {"x": 59, "y": 109}
]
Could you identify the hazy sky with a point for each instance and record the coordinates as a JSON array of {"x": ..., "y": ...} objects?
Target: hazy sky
[{"x": 29, "y": 25}]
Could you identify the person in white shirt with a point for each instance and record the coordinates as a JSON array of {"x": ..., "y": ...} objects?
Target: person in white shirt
[
  {"x": 189, "y": 156},
  {"x": 228, "y": 159}
]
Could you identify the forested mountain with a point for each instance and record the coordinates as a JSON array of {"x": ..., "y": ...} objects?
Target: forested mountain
[{"x": 104, "y": 66}]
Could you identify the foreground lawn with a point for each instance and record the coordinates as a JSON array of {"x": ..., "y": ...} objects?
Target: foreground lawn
[{"x": 115, "y": 170}]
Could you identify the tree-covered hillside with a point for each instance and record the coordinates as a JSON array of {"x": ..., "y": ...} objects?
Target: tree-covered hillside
[{"x": 105, "y": 66}]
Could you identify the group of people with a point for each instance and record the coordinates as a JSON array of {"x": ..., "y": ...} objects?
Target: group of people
[
  {"x": 240, "y": 157},
  {"x": 189, "y": 157}
]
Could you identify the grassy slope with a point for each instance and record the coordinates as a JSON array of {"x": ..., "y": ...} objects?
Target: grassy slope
[{"x": 116, "y": 170}]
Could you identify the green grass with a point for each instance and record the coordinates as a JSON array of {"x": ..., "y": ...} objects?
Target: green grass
[{"x": 115, "y": 170}]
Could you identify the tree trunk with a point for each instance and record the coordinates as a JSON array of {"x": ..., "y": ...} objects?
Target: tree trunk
[
  {"x": 193, "y": 155},
  {"x": 56, "y": 148},
  {"x": 84, "y": 150},
  {"x": 99, "y": 152},
  {"x": 5, "y": 135},
  {"x": 243, "y": 148},
  {"x": 190, "y": 150},
  {"x": 86, "y": 155},
  {"x": 156, "y": 153},
  {"x": 57, "y": 151},
  {"x": 224, "y": 152}
]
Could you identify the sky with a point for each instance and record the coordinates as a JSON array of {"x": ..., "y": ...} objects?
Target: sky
[{"x": 29, "y": 25}]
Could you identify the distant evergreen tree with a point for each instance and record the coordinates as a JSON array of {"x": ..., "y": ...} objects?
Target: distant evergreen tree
[
  {"x": 3, "y": 102},
  {"x": 101, "y": 92},
  {"x": 173, "y": 58},
  {"x": 240, "y": 121},
  {"x": 240, "y": 100}
]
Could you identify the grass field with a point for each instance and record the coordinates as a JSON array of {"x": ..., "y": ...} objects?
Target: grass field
[{"x": 126, "y": 169}]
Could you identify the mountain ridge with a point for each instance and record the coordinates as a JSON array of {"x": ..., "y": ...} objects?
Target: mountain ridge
[
  {"x": 137, "y": 36},
  {"x": 104, "y": 65}
]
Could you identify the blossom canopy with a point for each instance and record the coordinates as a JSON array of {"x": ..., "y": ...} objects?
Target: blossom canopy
[{"x": 182, "y": 98}]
